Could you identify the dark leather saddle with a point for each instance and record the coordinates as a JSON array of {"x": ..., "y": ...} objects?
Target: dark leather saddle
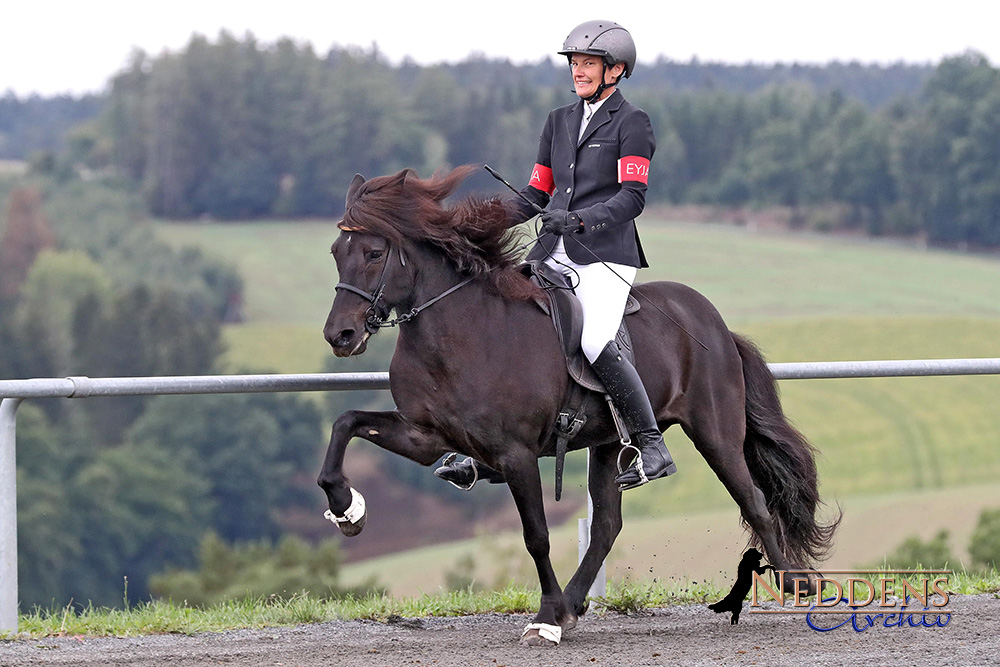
[{"x": 567, "y": 317}]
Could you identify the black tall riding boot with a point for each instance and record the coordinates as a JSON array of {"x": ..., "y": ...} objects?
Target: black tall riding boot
[{"x": 627, "y": 393}]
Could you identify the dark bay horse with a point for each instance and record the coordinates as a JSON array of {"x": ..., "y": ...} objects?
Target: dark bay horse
[{"x": 478, "y": 370}]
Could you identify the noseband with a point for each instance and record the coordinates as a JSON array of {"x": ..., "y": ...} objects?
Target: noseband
[{"x": 377, "y": 317}]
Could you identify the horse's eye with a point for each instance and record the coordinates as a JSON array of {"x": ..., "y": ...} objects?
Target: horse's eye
[{"x": 374, "y": 254}]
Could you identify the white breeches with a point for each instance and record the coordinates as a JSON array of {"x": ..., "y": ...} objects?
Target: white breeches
[{"x": 601, "y": 293}]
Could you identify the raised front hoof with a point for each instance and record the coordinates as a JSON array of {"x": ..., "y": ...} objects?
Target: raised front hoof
[
  {"x": 541, "y": 634},
  {"x": 353, "y": 520},
  {"x": 351, "y": 529}
]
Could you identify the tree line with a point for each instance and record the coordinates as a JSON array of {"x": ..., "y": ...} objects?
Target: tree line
[
  {"x": 37, "y": 124},
  {"x": 236, "y": 129}
]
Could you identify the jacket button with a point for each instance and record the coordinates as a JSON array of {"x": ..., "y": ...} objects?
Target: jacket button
[
  {"x": 572, "y": 164},
  {"x": 569, "y": 190}
]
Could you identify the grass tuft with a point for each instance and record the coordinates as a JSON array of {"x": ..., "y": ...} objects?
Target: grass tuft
[{"x": 168, "y": 617}]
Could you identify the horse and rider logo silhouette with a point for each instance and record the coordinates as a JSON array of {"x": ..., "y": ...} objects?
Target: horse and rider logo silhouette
[{"x": 733, "y": 602}]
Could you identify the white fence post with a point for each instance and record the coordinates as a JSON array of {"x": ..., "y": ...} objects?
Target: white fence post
[{"x": 8, "y": 515}]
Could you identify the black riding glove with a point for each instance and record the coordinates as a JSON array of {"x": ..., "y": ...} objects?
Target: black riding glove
[{"x": 561, "y": 222}]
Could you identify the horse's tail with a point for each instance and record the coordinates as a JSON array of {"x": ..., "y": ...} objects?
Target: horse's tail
[{"x": 782, "y": 464}]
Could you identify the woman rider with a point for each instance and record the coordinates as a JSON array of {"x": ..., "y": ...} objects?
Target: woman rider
[{"x": 592, "y": 170}]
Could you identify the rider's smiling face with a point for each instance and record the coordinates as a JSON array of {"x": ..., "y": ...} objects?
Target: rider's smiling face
[{"x": 587, "y": 70}]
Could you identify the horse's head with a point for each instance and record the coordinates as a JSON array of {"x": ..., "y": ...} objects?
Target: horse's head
[
  {"x": 373, "y": 278},
  {"x": 395, "y": 230}
]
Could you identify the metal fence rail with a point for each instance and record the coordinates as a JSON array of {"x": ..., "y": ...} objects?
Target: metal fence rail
[
  {"x": 817, "y": 370},
  {"x": 13, "y": 392}
]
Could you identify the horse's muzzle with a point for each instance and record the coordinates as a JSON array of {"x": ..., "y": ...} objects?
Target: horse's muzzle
[{"x": 346, "y": 342}]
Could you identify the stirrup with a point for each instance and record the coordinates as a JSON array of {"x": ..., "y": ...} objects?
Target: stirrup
[
  {"x": 638, "y": 467},
  {"x": 637, "y": 463}
]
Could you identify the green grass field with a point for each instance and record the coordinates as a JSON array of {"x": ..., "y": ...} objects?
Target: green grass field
[
  {"x": 290, "y": 274},
  {"x": 801, "y": 298}
]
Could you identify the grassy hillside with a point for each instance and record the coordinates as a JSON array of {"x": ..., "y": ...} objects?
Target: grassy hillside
[
  {"x": 903, "y": 454},
  {"x": 753, "y": 278},
  {"x": 872, "y": 434},
  {"x": 290, "y": 274}
]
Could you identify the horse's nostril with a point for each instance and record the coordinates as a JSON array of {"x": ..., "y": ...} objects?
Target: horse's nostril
[{"x": 340, "y": 338}]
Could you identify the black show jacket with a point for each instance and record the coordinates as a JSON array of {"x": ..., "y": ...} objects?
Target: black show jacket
[{"x": 583, "y": 176}]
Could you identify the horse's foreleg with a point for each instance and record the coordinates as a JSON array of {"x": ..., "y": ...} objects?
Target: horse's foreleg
[
  {"x": 605, "y": 525},
  {"x": 387, "y": 430},
  {"x": 554, "y": 615}
]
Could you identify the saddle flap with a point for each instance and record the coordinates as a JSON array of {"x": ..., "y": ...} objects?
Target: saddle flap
[{"x": 567, "y": 318}]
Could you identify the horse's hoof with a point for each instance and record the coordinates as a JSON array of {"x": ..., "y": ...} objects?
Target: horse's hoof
[
  {"x": 351, "y": 529},
  {"x": 353, "y": 520},
  {"x": 541, "y": 634},
  {"x": 568, "y": 622},
  {"x": 807, "y": 587}
]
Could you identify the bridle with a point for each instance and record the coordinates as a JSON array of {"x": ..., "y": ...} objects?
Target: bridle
[{"x": 377, "y": 316}]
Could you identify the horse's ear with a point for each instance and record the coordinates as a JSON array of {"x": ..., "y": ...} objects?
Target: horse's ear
[
  {"x": 397, "y": 180},
  {"x": 400, "y": 178},
  {"x": 352, "y": 190}
]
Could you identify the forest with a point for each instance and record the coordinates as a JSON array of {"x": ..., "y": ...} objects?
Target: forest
[{"x": 233, "y": 129}]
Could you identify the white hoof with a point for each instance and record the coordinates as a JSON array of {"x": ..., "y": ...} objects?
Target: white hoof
[{"x": 541, "y": 634}]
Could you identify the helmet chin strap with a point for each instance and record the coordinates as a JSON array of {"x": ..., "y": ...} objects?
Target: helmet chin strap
[{"x": 603, "y": 85}]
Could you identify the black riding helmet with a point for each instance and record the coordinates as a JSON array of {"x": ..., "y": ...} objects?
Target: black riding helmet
[{"x": 602, "y": 38}]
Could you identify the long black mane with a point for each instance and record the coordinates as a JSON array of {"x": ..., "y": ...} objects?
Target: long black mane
[{"x": 474, "y": 234}]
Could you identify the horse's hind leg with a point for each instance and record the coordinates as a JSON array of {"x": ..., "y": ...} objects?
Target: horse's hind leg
[
  {"x": 605, "y": 526},
  {"x": 720, "y": 440}
]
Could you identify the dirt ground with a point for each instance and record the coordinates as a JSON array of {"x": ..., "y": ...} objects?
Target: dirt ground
[{"x": 691, "y": 635}]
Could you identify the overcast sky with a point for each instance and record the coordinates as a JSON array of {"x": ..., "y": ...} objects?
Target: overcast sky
[{"x": 50, "y": 47}]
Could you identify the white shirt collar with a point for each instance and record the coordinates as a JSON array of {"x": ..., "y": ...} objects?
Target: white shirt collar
[
  {"x": 590, "y": 109},
  {"x": 588, "y": 112}
]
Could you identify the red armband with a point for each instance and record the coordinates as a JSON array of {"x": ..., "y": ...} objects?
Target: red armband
[
  {"x": 541, "y": 178},
  {"x": 633, "y": 168}
]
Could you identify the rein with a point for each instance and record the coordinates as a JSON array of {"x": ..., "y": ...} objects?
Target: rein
[{"x": 374, "y": 320}]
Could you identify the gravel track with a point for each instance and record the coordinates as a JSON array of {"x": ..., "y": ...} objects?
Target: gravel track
[{"x": 690, "y": 635}]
